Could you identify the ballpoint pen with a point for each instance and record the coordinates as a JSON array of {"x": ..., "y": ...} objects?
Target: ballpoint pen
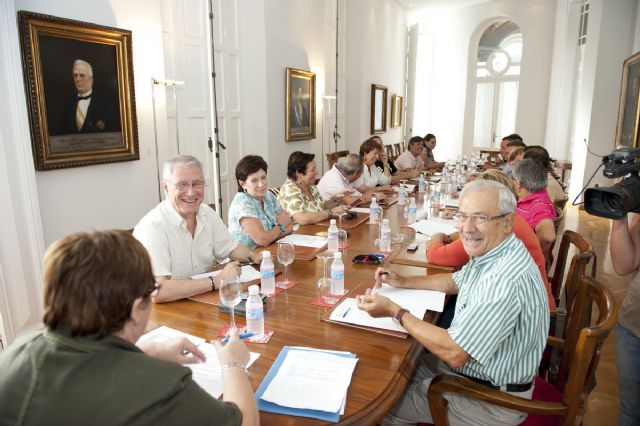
[{"x": 241, "y": 337}]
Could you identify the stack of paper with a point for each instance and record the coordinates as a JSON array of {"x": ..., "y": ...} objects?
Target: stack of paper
[
  {"x": 307, "y": 382},
  {"x": 247, "y": 273},
  {"x": 416, "y": 301},
  {"x": 304, "y": 240},
  {"x": 208, "y": 374},
  {"x": 434, "y": 225}
]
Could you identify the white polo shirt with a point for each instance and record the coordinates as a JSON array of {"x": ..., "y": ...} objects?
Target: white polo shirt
[
  {"x": 173, "y": 251},
  {"x": 333, "y": 182},
  {"x": 406, "y": 160}
]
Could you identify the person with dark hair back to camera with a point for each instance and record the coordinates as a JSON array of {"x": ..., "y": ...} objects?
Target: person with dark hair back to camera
[
  {"x": 625, "y": 255},
  {"x": 85, "y": 367}
]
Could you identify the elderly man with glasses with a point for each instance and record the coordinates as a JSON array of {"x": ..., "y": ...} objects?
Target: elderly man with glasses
[
  {"x": 500, "y": 325},
  {"x": 184, "y": 236}
]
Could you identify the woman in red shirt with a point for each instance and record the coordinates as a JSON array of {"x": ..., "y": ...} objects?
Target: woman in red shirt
[{"x": 448, "y": 251}]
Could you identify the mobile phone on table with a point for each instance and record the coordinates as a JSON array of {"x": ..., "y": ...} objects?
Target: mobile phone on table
[{"x": 412, "y": 247}]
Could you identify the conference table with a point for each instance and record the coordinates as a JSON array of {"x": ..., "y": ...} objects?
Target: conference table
[{"x": 386, "y": 363}]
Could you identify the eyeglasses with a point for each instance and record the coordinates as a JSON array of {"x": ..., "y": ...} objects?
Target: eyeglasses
[
  {"x": 478, "y": 218},
  {"x": 197, "y": 185},
  {"x": 152, "y": 291}
]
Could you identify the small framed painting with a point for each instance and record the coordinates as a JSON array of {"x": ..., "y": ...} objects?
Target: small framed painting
[
  {"x": 627, "y": 130},
  {"x": 378, "y": 109},
  {"x": 300, "y": 121},
  {"x": 396, "y": 111}
]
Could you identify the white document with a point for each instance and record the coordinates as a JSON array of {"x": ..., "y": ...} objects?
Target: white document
[
  {"x": 407, "y": 186},
  {"x": 416, "y": 301},
  {"x": 208, "y": 374},
  {"x": 314, "y": 380},
  {"x": 452, "y": 202},
  {"x": 434, "y": 225},
  {"x": 360, "y": 210},
  {"x": 164, "y": 333},
  {"x": 247, "y": 273},
  {"x": 304, "y": 240}
]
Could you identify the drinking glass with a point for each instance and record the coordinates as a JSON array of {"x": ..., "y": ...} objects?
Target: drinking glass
[
  {"x": 342, "y": 239},
  {"x": 230, "y": 296},
  {"x": 324, "y": 283},
  {"x": 286, "y": 254}
]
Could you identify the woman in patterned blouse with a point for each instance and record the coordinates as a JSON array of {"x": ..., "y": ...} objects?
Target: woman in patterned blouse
[
  {"x": 299, "y": 195},
  {"x": 255, "y": 217}
]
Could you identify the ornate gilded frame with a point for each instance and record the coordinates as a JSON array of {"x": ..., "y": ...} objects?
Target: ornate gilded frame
[
  {"x": 396, "y": 111},
  {"x": 300, "y": 108},
  {"x": 49, "y": 47},
  {"x": 378, "y": 109},
  {"x": 627, "y": 129}
]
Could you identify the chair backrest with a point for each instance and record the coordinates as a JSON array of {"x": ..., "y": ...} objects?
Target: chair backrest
[
  {"x": 583, "y": 344},
  {"x": 577, "y": 267},
  {"x": 397, "y": 149},
  {"x": 274, "y": 191},
  {"x": 389, "y": 150},
  {"x": 333, "y": 157}
]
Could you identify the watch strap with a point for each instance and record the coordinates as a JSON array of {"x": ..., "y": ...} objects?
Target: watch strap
[{"x": 398, "y": 315}]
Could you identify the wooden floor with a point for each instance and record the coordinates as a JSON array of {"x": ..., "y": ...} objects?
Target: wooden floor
[{"x": 602, "y": 406}]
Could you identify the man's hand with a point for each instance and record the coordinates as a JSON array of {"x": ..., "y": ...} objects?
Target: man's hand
[
  {"x": 376, "y": 306},
  {"x": 230, "y": 271},
  {"x": 179, "y": 350},
  {"x": 384, "y": 275},
  {"x": 341, "y": 194},
  {"x": 340, "y": 209},
  {"x": 234, "y": 351},
  {"x": 255, "y": 257}
]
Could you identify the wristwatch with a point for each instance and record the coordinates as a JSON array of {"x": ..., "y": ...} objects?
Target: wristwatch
[{"x": 398, "y": 316}]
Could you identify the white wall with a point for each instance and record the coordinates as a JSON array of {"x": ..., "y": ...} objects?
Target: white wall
[
  {"x": 455, "y": 34},
  {"x": 103, "y": 196},
  {"x": 375, "y": 54}
]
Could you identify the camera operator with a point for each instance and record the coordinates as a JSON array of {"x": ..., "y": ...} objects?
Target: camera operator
[{"x": 625, "y": 254}]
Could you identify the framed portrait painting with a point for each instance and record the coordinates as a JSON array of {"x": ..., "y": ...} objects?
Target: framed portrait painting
[
  {"x": 378, "y": 109},
  {"x": 80, "y": 92},
  {"x": 300, "y": 110},
  {"x": 396, "y": 111},
  {"x": 627, "y": 130}
]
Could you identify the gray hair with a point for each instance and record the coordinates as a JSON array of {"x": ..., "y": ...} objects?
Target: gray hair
[
  {"x": 506, "y": 199},
  {"x": 531, "y": 174},
  {"x": 350, "y": 164},
  {"x": 177, "y": 161},
  {"x": 84, "y": 64}
]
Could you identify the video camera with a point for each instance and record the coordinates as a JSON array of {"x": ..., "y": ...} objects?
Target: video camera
[{"x": 624, "y": 197}]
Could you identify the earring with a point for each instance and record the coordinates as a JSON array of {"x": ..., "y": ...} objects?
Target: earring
[{"x": 245, "y": 189}]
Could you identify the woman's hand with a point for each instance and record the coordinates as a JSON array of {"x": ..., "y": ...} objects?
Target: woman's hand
[
  {"x": 179, "y": 350},
  {"x": 283, "y": 218}
]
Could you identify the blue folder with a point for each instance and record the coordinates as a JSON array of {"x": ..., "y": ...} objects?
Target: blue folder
[{"x": 270, "y": 407}]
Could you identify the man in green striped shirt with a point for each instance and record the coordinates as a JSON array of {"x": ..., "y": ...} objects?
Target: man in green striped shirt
[{"x": 501, "y": 319}]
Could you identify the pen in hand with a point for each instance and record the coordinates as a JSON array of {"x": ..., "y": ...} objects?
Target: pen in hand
[{"x": 241, "y": 337}]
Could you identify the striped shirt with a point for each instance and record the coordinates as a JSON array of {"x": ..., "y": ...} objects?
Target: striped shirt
[{"x": 502, "y": 315}]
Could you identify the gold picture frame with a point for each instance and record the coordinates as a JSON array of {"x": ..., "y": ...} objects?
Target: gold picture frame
[
  {"x": 300, "y": 108},
  {"x": 627, "y": 129},
  {"x": 80, "y": 92},
  {"x": 396, "y": 111},
  {"x": 378, "y": 109}
]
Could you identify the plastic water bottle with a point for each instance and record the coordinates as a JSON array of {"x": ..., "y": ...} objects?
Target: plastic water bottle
[
  {"x": 255, "y": 312},
  {"x": 267, "y": 274},
  {"x": 413, "y": 211},
  {"x": 422, "y": 184},
  {"x": 337, "y": 275},
  {"x": 385, "y": 236},
  {"x": 374, "y": 212},
  {"x": 333, "y": 236},
  {"x": 402, "y": 195}
]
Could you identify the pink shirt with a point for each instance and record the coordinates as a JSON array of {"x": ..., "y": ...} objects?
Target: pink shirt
[{"x": 536, "y": 207}]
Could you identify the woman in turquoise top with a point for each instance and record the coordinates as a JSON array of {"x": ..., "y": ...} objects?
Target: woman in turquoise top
[{"x": 255, "y": 216}]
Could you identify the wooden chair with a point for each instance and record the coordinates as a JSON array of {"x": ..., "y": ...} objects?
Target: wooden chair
[
  {"x": 390, "y": 153},
  {"x": 333, "y": 157},
  {"x": 397, "y": 149},
  {"x": 577, "y": 267},
  {"x": 274, "y": 191},
  {"x": 564, "y": 402}
]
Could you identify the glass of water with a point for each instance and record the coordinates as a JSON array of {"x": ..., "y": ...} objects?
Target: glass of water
[
  {"x": 286, "y": 255},
  {"x": 230, "y": 295}
]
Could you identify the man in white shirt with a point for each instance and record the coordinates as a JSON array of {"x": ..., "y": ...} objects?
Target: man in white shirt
[
  {"x": 346, "y": 174},
  {"x": 411, "y": 158},
  {"x": 184, "y": 236}
]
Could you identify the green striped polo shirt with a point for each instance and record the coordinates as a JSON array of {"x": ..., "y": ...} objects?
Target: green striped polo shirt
[{"x": 502, "y": 314}]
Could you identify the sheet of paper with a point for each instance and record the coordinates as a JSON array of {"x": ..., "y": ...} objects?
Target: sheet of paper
[
  {"x": 304, "y": 240},
  {"x": 434, "y": 225},
  {"x": 247, "y": 273},
  {"x": 416, "y": 301},
  {"x": 208, "y": 375},
  {"x": 407, "y": 186},
  {"x": 163, "y": 333},
  {"x": 360, "y": 210},
  {"x": 315, "y": 380},
  {"x": 452, "y": 202}
]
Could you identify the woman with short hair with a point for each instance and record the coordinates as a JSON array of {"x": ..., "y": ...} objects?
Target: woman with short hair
[
  {"x": 255, "y": 216},
  {"x": 299, "y": 195},
  {"x": 369, "y": 152}
]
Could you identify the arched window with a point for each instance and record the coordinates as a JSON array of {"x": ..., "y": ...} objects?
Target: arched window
[{"x": 497, "y": 78}]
